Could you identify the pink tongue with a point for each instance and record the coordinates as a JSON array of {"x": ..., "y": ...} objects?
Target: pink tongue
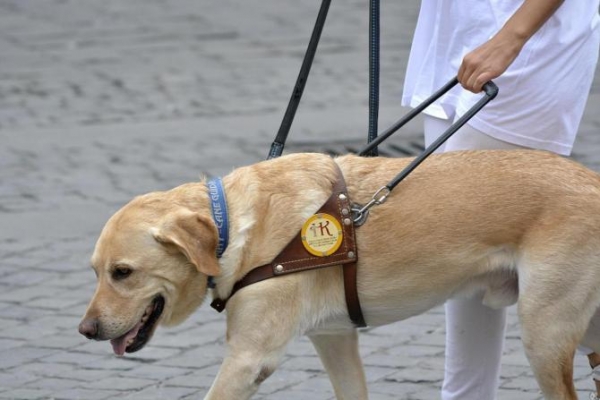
[{"x": 120, "y": 344}]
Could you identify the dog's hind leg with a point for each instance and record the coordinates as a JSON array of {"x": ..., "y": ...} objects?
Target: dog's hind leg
[
  {"x": 550, "y": 347},
  {"x": 554, "y": 316},
  {"x": 340, "y": 356}
]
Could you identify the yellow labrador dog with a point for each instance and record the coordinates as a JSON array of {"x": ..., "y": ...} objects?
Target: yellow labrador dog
[{"x": 517, "y": 226}]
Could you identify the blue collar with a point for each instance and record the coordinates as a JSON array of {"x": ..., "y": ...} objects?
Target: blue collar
[{"x": 218, "y": 205}]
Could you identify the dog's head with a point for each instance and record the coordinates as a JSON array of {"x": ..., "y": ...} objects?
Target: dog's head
[{"x": 152, "y": 261}]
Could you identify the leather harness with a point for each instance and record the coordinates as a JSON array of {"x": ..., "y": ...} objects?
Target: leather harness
[{"x": 296, "y": 258}]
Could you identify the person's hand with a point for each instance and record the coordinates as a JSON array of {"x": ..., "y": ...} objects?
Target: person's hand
[
  {"x": 492, "y": 58},
  {"x": 487, "y": 62}
]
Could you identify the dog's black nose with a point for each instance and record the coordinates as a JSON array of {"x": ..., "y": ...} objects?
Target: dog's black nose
[{"x": 89, "y": 328}]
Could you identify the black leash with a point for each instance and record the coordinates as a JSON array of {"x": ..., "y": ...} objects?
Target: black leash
[
  {"x": 290, "y": 112},
  {"x": 374, "y": 18}
]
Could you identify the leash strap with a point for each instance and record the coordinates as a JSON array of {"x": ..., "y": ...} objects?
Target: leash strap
[
  {"x": 290, "y": 112},
  {"x": 295, "y": 258},
  {"x": 374, "y": 18}
]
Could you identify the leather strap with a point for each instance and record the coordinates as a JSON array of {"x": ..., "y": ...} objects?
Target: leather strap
[
  {"x": 351, "y": 291},
  {"x": 295, "y": 257}
]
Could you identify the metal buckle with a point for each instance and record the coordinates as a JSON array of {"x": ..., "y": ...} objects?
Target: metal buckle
[{"x": 360, "y": 213}]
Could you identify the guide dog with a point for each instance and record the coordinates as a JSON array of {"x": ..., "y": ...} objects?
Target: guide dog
[{"x": 508, "y": 226}]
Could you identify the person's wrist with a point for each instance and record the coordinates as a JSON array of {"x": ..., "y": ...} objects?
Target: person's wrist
[{"x": 510, "y": 43}]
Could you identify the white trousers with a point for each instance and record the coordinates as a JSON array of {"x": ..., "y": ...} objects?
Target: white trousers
[{"x": 474, "y": 332}]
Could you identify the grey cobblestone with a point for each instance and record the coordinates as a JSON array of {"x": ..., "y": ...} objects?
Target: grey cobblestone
[{"x": 101, "y": 101}]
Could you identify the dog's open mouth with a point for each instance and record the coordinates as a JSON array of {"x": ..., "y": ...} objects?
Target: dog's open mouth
[{"x": 139, "y": 335}]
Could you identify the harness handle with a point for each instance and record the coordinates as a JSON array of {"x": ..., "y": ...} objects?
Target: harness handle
[
  {"x": 490, "y": 92},
  {"x": 409, "y": 116}
]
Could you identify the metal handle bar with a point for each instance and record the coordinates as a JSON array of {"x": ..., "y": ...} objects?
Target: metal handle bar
[{"x": 491, "y": 91}]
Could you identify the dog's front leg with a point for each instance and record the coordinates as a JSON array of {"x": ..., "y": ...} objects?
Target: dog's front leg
[
  {"x": 258, "y": 331},
  {"x": 340, "y": 356},
  {"x": 247, "y": 364}
]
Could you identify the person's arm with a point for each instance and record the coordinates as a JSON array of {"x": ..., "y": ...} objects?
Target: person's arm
[{"x": 492, "y": 58}]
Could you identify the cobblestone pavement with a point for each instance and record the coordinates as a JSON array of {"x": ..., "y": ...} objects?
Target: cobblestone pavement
[{"x": 101, "y": 101}]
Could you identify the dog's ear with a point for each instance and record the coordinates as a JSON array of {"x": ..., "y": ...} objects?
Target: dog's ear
[{"x": 193, "y": 235}]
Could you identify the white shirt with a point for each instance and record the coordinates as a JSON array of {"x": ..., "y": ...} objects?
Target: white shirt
[{"x": 542, "y": 95}]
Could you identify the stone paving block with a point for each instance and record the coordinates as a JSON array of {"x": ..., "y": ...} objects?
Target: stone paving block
[
  {"x": 206, "y": 334},
  {"x": 89, "y": 375},
  {"x": 303, "y": 363},
  {"x": 156, "y": 372},
  {"x": 415, "y": 375},
  {"x": 54, "y": 384},
  {"x": 60, "y": 321},
  {"x": 26, "y": 278},
  {"x": 412, "y": 350},
  {"x": 301, "y": 346},
  {"x": 15, "y": 379},
  {"x": 150, "y": 354},
  {"x": 21, "y": 355},
  {"x": 197, "y": 378},
  {"x": 197, "y": 358},
  {"x": 161, "y": 392},
  {"x": 53, "y": 303},
  {"x": 402, "y": 390},
  {"x": 374, "y": 373},
  {"x": 121, "y": 383},
  {"x": 25, "y": 294},
  {"x": 45, "y": 370},
  {"x": 111, "y": 363},
  {"x": 425, "y": 393},
  {"x": 299, "y": 395},
  {"x": 6, "y": 344},
  {"x": 77, "y": 359},
  {"x": 504, "y": 394},
  {"x": 318, "y": 384},
  {"x": 87, "y": 394},
  {"x": 97, "y": 348},
  {"x": 389, "y": 361},
  {"x": 516, "y": 358},
  {"x": 28, "y": 331},
  {"x": 25, "y": 394},
  {"x": 382, "y": 396}
]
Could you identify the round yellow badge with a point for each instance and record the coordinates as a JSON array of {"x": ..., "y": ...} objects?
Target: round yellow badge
[{"x": 322, "y": 235}]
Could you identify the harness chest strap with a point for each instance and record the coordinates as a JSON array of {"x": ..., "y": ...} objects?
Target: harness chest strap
[{"x": 295, "y": 257}]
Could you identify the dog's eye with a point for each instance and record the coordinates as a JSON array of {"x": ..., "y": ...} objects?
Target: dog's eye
[{"x": 121, "y": 273}]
